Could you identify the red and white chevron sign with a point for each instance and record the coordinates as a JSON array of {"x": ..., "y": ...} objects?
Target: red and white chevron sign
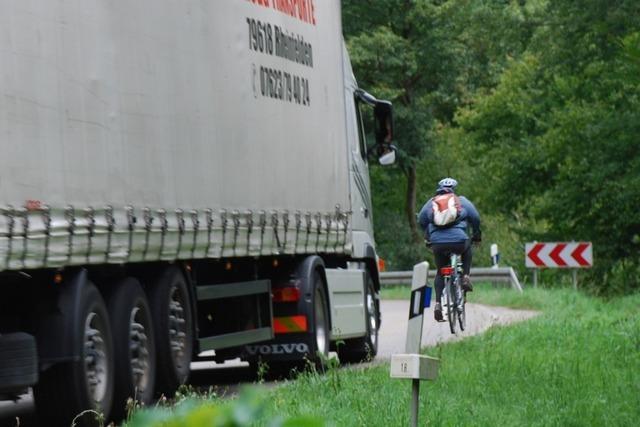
[{"x": 559, "y": 255}]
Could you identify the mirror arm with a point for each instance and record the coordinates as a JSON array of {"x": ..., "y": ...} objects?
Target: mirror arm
[
  {"x": 366, "y": 97},
  {"x": 371, "y": 151}
]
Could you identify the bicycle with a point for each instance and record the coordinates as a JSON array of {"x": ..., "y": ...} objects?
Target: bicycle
[{"x": 454, "y": 297}]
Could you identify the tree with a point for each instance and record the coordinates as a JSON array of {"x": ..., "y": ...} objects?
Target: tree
[
  {"x": 400, "y": 52},
  {"x": 557, "y": 138},
  {"x": 428, "y": 58}
]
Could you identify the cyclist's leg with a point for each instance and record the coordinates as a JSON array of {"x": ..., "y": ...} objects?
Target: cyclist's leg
[
  {"x": 467, "y": 257},
  {"x": 441, "y": 255}
]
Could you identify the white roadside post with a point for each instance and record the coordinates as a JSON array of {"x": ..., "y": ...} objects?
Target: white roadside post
[
  {"x": 495, "y": 255},
  {"x": 495, "y": 259},
  {"x": 413, "y": 365}
]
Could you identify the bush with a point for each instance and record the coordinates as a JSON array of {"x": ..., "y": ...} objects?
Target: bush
[{"x": 245, "y": 411}]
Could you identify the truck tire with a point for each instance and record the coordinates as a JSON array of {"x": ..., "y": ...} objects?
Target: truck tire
[
  {"x": 319, "y": 322},
  {"x": 173, "y": 326},
  {"x": 364, "y": 348},
  {"x": 291, "y": 352},
  {"x": 133, "y": 345},
  {"x": 83, "y": 386},
  {"x": 18, "y": 362}
]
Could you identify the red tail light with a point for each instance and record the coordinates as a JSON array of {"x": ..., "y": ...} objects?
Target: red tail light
[
  {"x": 286, "y": 294},
  {"x": 446, "y": 271}
]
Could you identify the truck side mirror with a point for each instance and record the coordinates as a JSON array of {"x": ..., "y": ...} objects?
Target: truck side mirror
[
  {"x": 383, "y": 118},
  {"x": 383, "y": 128},
  {"x": 388, "y": 157}
]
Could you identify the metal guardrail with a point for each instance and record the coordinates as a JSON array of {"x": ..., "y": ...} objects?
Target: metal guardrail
[{"x": 480, "y": 274}]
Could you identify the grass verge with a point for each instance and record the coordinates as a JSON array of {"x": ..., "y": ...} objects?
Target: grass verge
[{"x": 577, "y": 364}]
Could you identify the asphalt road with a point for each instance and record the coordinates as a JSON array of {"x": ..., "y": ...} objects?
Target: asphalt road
[
  {"x": 479, "y": 318},
  {"x": 225, "y": 379}
]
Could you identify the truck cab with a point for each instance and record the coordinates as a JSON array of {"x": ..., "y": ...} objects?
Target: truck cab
[{"x": 361, "y": 152}]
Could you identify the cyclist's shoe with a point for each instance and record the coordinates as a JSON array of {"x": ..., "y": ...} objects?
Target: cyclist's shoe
[
  {"x": 466, "y": 283},
  {"x": 437, "y": 312}
]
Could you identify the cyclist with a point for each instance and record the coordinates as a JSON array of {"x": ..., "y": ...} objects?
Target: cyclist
[{"x": 445, "y": 219}]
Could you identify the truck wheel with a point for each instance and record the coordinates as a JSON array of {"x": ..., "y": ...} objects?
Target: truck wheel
[
  {"x": 173, "y": 326},
  {"x": 68, "y": 389},
  {"x": 133, "y": 344},
  {"x": 364, "y": 348},
  {"x": 18, "y": 363},
  {"x": 319, "y": 349}
]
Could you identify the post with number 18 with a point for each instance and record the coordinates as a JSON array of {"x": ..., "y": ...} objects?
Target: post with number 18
[{"x": 413, "y": 365}]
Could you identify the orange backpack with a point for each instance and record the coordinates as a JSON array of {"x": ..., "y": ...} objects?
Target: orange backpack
[{"x": 446, "y": 209}]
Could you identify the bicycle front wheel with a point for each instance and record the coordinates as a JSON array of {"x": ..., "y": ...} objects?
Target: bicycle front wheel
[
  {"x": 449, "y": 301},
  {"x": 462, "y": 311}
]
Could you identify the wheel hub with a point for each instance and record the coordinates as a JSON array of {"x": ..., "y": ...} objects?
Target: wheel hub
[
  {"x": 95, "y": 358},
  {"x": 321, "y": 333},
  {"x": 373, "y": 319},
  {"x": 138, "y": 344},
  {"x": 177, "y": 327}
]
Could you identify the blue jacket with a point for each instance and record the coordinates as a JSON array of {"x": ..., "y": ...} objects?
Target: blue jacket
[{"x": 455, "y": 233}]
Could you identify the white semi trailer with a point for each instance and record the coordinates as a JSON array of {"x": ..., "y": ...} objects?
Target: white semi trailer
[{"x": 179, "y": 177}]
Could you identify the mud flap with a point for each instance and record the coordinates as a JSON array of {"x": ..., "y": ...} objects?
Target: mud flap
[{"x": 54, "y": 332}]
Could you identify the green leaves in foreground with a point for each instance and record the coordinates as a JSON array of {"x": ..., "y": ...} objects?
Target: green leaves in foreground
[{"x": 243, "y": 412}]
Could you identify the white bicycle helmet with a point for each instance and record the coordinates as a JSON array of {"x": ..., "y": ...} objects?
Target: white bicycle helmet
[{"x": 447, "y": 183}]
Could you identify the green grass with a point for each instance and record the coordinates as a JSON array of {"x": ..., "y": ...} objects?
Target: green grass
[
  {"x": 578, "y": 364},
  {"x": 532, "y": 299},
  {"x": 395, "y": 292}
]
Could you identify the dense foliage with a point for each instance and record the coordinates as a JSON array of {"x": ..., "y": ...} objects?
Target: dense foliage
[{"x": 533, "y": 105}]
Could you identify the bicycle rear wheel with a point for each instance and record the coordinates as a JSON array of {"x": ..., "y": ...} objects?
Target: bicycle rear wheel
[{"x": 449, "y": 301}]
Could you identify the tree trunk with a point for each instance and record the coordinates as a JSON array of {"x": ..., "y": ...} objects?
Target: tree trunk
[{"x": 410, "y": 204}]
